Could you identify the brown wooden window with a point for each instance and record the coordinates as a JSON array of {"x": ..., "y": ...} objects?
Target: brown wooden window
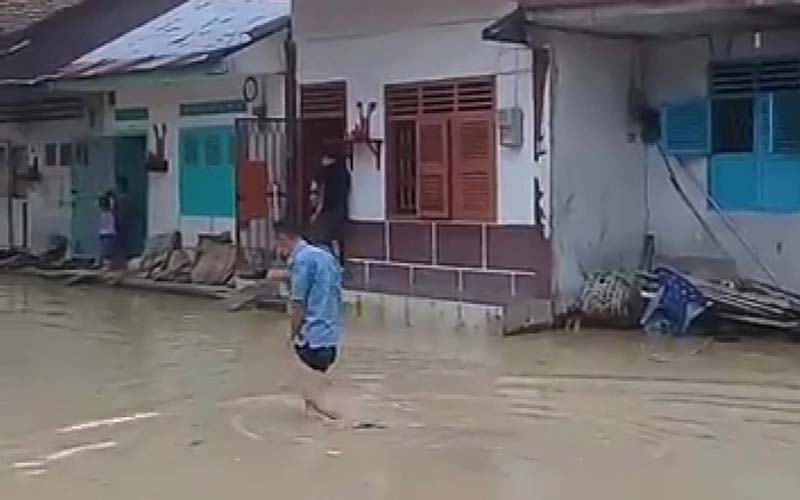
[
  {"x": 65, "y": 154},
  {"x": 51, "y": 155},
  {"x": 323, "y": 109},
  {"x": 441, "y": 149}
]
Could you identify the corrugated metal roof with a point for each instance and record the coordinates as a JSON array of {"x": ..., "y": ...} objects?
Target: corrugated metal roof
[
  {"x": 197, "y": 31},
  {"x": 31, "y": 55},
  {"x": 89, "y": 69}
]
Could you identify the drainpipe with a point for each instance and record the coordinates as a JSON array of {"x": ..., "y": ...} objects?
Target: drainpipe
[{"x": 292, "y": 126}]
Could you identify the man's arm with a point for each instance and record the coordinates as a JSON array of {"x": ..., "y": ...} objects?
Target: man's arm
[
  {"x": 297, "y": 314},
  {"x": 300, "y": 282}
]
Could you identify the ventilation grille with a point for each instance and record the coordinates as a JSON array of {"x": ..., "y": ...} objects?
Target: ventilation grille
[
  {"x": 432, "y": 98},
  {"x": 754, "y": 76},
  {"x": 50, "y": 109},
  {"x": 326, "y": 100}
]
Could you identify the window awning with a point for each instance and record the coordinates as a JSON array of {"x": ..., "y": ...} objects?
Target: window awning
[{"x": 646, "y": 18}]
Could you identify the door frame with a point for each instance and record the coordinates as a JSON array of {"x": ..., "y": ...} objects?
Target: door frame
[{"x": 144, "y": 136}]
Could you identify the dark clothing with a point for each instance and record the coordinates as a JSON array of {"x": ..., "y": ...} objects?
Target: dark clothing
[
  {"x": 107, "y": 242},
  {"x": 320, "y": 359},
  {"x": 122, "y": 223},
  {"x": 326, "y": 228},
  {"x": 336, "y": 185},
  {"x": 315, "y": 233}
]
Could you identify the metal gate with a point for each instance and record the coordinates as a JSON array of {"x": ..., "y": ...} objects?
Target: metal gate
[{"x": 262, "y": 184}]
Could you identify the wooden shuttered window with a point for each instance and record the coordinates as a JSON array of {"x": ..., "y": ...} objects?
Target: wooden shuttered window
[
  {"x": 473, "y": 173},
  {"x": 402, "y": 174},
  {"x": 452, "y": 173},
  {"x": 433, "y": 161}
]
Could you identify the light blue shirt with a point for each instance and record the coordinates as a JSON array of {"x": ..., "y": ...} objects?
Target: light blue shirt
[{"x": 316, "y": 284}]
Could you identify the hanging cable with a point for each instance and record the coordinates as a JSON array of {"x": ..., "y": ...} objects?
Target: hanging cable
[
  {"x": 728, "y": 223},
  {"x": 673, "y": 178},
  {"x": 734, "y": 229}
]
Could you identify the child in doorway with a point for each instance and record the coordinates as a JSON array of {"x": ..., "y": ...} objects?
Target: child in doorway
[{"x": 107, "y": 229}]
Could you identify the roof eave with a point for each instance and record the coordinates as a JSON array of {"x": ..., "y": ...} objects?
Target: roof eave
[{"x": 647, "y": 19}]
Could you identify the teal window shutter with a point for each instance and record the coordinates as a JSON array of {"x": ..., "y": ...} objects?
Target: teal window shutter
[
  {"x": 785, "y": 123},
  {"x": 686, "y": 128},
  {"x": 207, "y": 177},
  {"x": 213, "y": 150},
  {"x": 190, "y": 150}
]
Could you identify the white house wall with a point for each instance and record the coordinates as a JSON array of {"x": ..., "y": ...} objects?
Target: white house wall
[
  {"x": 9, "y": 132},
  {"x": 394, "y": 42},
  {"x": 163, "y": 101},
  {"x": 678, "y": 71},
  {"x": 316, "y": 20},
  {"x": 597, "y": 166},
  {"x": 49, "y": 201},
  {"x": 266, "y": 57}
]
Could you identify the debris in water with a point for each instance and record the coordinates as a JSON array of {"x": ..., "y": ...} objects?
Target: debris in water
[
  {"x": 365, "y": 426},
  {"x": 658, "y": 358},
  {"x": 196, "y": 442},
  {"x": 702, "y": 347}
]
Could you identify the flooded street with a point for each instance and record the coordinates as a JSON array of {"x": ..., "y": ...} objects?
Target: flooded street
[{"x": 109, "y": 394}]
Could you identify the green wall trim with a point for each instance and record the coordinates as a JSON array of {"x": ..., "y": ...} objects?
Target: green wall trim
[
  {"x": 213, "y": 108},
  {"x": 131, "y": 114}
]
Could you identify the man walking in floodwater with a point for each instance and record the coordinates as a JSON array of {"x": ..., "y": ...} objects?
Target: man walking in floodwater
[{"x": 316, "y": 313}]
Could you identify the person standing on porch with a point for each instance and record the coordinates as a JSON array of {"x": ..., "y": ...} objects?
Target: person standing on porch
[
  {"x": 315, "y": 279},
  {"x": 335, "y": 184},
  {"x": 121, "y": 220},
  {"x": 107, "y": 230},
  {"x": 314, "y": 231}
]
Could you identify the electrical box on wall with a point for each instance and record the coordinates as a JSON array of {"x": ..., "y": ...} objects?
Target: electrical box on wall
[{"x": 510, "y": 122}]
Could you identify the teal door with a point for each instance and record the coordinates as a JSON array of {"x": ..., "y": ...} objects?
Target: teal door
[
  {"x": 207, "y": 176},
  {"x": 92, "y": 175},
  {"x": 130, "y": 154}
]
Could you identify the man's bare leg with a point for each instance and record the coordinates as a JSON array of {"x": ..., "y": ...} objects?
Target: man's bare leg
[{"x": 315, "y": 388}]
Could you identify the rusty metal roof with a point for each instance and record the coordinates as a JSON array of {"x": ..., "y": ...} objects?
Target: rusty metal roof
[
  {"x": 29, "y": 55},
  {"x": 195, "y": 32},
  {"x": 19, "y": 14}
]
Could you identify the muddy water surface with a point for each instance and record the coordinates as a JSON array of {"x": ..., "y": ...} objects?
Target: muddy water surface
[{"x": 113, "y": 395}]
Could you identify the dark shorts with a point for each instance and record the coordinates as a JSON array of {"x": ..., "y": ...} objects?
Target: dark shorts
[
  {"x": 107, "y": 246},
  {"x": 320, "y": 359}
]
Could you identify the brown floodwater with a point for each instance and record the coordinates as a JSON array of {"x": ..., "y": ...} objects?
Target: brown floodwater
[{"x": 108, "y": 394}]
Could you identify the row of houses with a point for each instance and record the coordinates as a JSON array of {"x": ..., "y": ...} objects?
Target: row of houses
[{"x": 500, "y": 151}]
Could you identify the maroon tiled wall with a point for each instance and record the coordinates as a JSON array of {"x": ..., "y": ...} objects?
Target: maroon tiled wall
[
  {"x": 388, "y": 278},
  {"x": 493, "y": 264},
  {"x": 436, "y": 283},
  {"x": 487, "y": 287},
  {"x": 410, "y": 242},
  {"x": 365, "y": 240},
  {"x": 354, "y": 276},
  {"x": 518, "y": 248},
  {"x": 459, "y": 245}
]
